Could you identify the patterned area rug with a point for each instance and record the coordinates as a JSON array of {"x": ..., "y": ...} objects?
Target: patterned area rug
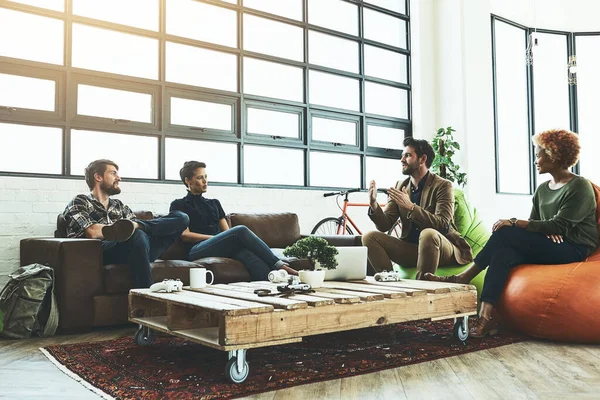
[{"x": 173, "y": 368}]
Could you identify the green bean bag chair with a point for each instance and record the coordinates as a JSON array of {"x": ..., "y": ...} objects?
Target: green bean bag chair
[{"x": 471, "y": 228}]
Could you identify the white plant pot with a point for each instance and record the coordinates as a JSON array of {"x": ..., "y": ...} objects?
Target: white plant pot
[{"x": 313, "y": 278}]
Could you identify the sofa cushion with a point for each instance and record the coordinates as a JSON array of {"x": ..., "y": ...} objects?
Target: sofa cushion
[
  {"x": 276, "y": 230},
  {"x": 468, "y": 222},
  {"x": 225, "y": 270}
]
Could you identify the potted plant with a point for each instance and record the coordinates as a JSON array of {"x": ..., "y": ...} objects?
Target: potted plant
[
  {"x": 320, "y": 255},
  {"x": 445, "y": 147}
]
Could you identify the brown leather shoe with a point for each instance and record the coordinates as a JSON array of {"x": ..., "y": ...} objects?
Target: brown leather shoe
[
  {"x": 446, "y": 279},
  {"x": 484, "y": 327},
  {"x": 120, "y": 231}
]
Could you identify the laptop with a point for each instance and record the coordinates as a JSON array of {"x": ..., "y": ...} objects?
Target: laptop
[{"x": 352, "y": 264}]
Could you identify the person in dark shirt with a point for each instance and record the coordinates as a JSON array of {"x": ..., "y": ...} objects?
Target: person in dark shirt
[
  {"x": 561, "y": 228},
  {"x": 209, "y": 234},
  {"x": 125, "y": 239}
]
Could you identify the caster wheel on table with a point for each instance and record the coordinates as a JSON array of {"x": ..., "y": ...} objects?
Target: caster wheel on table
[
  {"x": 461, "y": 329},
  {"x": 144, "y": 336},
  {"x": 232, "y": 373}
]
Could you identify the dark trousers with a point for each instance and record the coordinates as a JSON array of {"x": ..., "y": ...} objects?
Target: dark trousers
[
  {"x": 510, "y": 246},
  {"x": 241, "y": 244},
  {"x": 145, "y": 246}
]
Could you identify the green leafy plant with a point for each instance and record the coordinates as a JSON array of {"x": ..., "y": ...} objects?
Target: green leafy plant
[
  {"x": 445, "y": 147},
  {"x": 314, "y": 249}
]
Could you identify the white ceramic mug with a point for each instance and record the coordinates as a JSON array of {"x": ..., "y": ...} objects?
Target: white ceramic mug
[{"x": 198, "y": 278}]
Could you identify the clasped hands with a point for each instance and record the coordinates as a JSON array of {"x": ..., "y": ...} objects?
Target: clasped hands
[
  {"x": 506, "y": 222},
  {"x": 399, "y": 197}
]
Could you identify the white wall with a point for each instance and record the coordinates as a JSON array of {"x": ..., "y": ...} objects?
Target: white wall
[{"x": 29, "y": 206}]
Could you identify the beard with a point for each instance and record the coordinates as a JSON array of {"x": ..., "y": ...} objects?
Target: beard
[
  {"x": 409, "y": 169},
  {"x": 110, "y": 189}
]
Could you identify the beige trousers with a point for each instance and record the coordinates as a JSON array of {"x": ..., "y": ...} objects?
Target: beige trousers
[{"x": 433, "y": 250}]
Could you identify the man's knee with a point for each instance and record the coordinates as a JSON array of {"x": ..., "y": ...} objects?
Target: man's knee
[
  {"x": 430, "y": 237},
  {"x": 369, "y": 238},
  {"x": 139, "y": 240},
  {"x": 180, "y": 218}
]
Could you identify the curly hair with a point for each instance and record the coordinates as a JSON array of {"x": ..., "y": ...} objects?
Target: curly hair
[{"x": 561, "y": 145}]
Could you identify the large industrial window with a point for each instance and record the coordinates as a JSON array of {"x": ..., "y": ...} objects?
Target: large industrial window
[{"x": 265, "y": 92}]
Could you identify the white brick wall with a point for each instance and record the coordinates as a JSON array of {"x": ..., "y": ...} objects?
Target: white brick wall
[{"x": 29, "y": 206}]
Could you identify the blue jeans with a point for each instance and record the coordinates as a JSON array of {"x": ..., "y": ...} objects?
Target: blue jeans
[
  {"x": 241, "y": 244},
  {"x": 145, "y": 246},
  {"x": 511, "y": 246}
]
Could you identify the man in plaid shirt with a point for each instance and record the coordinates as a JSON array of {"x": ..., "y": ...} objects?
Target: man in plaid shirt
[{"x": 125, "y": 239}]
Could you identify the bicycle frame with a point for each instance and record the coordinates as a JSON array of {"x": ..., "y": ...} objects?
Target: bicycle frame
[{"x": 346, "y": 218}]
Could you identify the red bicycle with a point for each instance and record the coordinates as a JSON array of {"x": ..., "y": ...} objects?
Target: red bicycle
[{"x": 339, "y": 225}]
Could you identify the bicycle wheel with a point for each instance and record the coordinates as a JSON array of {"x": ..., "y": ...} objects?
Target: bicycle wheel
[
  {"x": 396, "y": 230},
  {"x": 329, "y": 226}
]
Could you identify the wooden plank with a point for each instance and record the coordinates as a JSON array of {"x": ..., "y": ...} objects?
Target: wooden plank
[
  {"x": 388, "y": 293},
  {"x": 256, "y": 328},
  {"x": 180, "y": 317},
  {"x": 430, "y": 287},
  {"x": 342, "y": 298},
  {"x": 248, "y": 294},
  {"x": 253, "y": 306},
  {"x": 212, "y": 304},
  {"x": 146, "y": 307},
  {"x": 364, "y": 296},
  {"x": 206, "y": 336},
  {"x": 312, "y": 299}
]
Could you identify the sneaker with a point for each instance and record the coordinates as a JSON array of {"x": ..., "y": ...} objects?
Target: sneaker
[{"x": 120, "y": 231}]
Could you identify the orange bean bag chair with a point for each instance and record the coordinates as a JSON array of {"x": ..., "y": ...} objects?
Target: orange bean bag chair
[{"x": 556, "y": 302}]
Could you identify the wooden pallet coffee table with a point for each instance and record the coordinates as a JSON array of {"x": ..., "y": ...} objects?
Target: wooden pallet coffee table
[{"x": 233, "y": 318}]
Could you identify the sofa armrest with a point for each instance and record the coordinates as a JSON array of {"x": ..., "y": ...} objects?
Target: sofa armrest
[
  {"x": 77, "y": 265},
  {"x": 341, "y": 240}
]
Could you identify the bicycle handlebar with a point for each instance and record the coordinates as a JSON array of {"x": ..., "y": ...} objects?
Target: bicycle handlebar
[{"x": 343, "y": 192}]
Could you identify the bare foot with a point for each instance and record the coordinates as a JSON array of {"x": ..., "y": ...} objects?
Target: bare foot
[{"x": 289, "y": 270}]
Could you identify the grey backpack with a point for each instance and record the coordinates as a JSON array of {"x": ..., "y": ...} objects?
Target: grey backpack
[{"x": 28, "y": 303}]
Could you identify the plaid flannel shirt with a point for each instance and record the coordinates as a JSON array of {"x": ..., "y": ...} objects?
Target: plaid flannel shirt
[{"x": 84, "y": 211}]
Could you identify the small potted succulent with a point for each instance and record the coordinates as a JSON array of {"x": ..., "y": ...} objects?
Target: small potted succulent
[{"x": 320, "y": 255}]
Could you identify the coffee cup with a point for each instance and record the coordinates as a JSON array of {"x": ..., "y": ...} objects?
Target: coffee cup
[{"x": 198, "y": 278}]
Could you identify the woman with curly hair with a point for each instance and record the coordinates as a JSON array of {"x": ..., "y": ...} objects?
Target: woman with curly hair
[{"x": 561, "y": 228}]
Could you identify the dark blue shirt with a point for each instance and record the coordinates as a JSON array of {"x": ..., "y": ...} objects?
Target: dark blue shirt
[
  {"x": 204, "y": 213},
  {"x": 415, "y": 197}
]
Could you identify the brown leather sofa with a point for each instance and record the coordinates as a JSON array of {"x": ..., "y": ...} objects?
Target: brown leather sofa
[{"x": 91, "y": 294}]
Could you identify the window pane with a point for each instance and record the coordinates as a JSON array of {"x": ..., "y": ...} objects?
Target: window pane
[
  {"x": 384, "y": 28},
  {"x": 139, "y": 13},
  {"x": 274, "y": 38},
  {"x": 272, "y": 165},
  {"x": 288, "y": 8},
  {"x": 333, "y": 130},
  {"x": 57, "y": 5},
  {"x": 333, "y": 91},
  {"x": 195, "y": 20},
  {"x": 551, "y": 88},
  {"x": 118, "y": 148},
  {"x": 384, "y": 171},
  {"x": 15, "y": 91},
  {"x": 277, "y": 123},
  {"x": 17, "y": 140},
  {"x": 386, "y": 100},
  {"x": 115, "y": 52},
  {"x": 270, "y": 79},
  {"x": 384, "y": 137},
  {"x": 111, "y": 103},
  {"x": 320, "y": 12},
  {"x": 202, "y": 114},
  {"x": 32, "y": 37},
  {"x": 385, "y": 64},
  {"x": 220, "y": 158},
  {"x": 588, "y": 87},
  {"x": 201, "y": 67},
  {"x": 398, "y": 6},
  {"x": 332, "y": 52},
  {"x": 511, "y": 98},
  {"x": 334, "y": 170}
]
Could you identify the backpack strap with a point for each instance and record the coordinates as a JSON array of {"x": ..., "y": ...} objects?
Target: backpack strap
[{"x": 52, "y": 322}]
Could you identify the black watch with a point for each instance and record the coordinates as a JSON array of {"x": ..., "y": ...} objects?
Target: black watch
[{"x": 513, "y": 221}]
